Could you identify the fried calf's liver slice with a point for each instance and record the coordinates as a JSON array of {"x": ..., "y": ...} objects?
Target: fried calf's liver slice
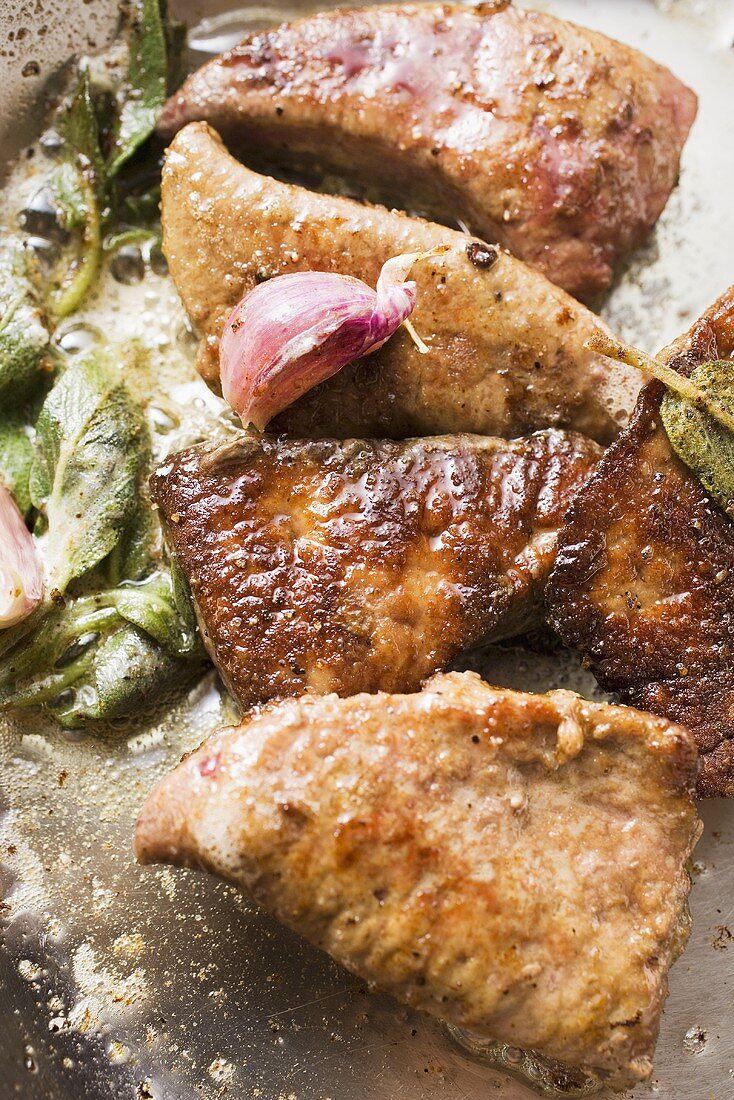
[
  {"x": 364, "y": 565},
  {"x": 556, "y": 141},
  {"x": 507, "y": 350},
  {"x": 513, "y": 863},
  {"x": 643, "y": 585}
]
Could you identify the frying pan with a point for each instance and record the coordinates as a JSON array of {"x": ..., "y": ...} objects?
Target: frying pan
[{"x": 121, "y": 982}]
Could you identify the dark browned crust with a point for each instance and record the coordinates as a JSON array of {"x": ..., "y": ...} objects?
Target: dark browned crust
[
  {"x": 643, "y": 585},
  {"x": 364, "y": 565}
]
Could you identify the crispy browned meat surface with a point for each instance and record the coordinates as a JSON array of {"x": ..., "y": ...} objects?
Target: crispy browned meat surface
[
  {"x": 358, "y": 566},
  {"x": 554, "y": 140},
  {"x": 507, "y": 348},
  {"x": 644, "y": 581},
  {"x": 513, "y": 863}
]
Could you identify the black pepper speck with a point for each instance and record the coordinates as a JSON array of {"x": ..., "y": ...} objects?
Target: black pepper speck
[{"x": 482, "y": 255}]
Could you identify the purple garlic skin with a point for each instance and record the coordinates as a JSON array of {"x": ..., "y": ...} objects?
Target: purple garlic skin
[
  {"x": 21, "y": 574},
  {"x": 291, "y": 333}
]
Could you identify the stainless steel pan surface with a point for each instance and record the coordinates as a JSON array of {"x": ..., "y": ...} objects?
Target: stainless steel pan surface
[{"x": 125, "y": 982}]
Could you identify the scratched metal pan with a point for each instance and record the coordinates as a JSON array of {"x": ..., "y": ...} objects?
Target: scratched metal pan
[{"x": 120, "y": 982}]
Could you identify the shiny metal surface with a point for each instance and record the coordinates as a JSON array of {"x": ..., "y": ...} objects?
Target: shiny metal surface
[{"x": 120, "y": 982}]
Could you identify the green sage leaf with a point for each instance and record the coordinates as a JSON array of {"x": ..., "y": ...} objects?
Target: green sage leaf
[
  {"x": 129, "y": 675},
  {"x": 79, "y": 185},
  {"x": 142, "y": 209},
  {"x": 118, "y": 120},
  {"x": 183, "y": 599},
  {"x": 24, "y": 341},
  {"x": 702, "y": 442},
  {"x": 152, "y": 607},
  {"x": 16, "y": 458},
  {"x": 77, "y": 124},
  {"x": 91, "y": 442},
  {"x": 113, "y": 654},
  {"x": 142, "y": 95},
  {"x": 47, "y": 660},
  {"x": 138, "y": 549}
]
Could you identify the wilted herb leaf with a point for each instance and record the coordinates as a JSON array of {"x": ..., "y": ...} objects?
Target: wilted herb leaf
[
  {"x": 83, "y": 182},
  {"x": 16, "y": 458},
  {"x": 702, "y": 442},
  {"x": 77, "y": 124},
  {"x": 152, "y": 607},
  {"x": 24, "y": 340},
  {"x": 91, "y": 441},
  {"x": 139, "y": 546},
  {"x": 142, "y": 95},
  {"x": 79, "y": 184},
  {"x": 129, "y": 675},
  {"x": 182, "y": 598},
  {"x": 109, "y": 655},
  {"x": 697, "y": 412},
  {"x": 25, "y": 365}
]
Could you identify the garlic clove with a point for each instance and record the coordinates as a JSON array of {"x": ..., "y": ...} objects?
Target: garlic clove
[
  {"x": 296, "y": 330},
  {"x": 21, "y": 575}
]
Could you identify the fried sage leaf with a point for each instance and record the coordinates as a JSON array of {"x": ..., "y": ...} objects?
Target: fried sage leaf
[
  {"x": 130, "y": 674},
  {"x": 109, "y": 655},
  {"x": 102, "y": 130},
  {"x": 91, "y": 443},
  {"x": 24, "y": 341},
  {"x": 25, "y": 371},
  {"x": 79, "y": 185},
  {"x": 697, "y": 411},
  {"x": 701, "y": 441},
  {"x": 16, "y": 458},
  {"x": 142, "y": 94},
  {"x": 152, "y": 606},
  {"x": 138, "y": 550},
  {"x": 123, "y": 637}
]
